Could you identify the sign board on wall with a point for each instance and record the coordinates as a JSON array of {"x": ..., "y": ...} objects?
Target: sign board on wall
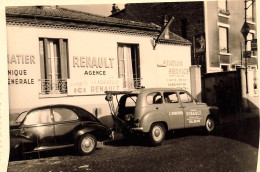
[
  {"x": 178, "y": 74},
  {"x": 93, "y": 86}
]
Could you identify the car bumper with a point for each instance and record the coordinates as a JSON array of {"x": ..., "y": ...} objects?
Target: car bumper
[{"x": 137, "y": 129}]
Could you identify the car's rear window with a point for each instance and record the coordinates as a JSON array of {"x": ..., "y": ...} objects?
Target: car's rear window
[
  {"x": 154, "y": 98},
  {"x": 64, "y": 114},
  {"x": 131, "y": 101}
]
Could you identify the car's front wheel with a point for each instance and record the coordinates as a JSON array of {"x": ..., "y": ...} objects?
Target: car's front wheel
[
  {"x": 87, "y": 144},
  {"x": 210, "y": 125},
  {"x": 156, "y": 134}
]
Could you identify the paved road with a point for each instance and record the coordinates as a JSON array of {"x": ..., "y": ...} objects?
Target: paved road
[{"x": 233, "y": 148}]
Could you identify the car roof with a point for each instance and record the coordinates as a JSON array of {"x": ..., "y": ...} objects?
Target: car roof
[
  {"x": 56, "y": 106},
  {"x": 143, "y": 90}
]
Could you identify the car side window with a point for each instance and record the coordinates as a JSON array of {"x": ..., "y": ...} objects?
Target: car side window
[
  {"x": 185, "y": 98},
  {"x": 130, "y": 101},
  {"x": 170, "y": 97},
  {"x": 42, "y": 116},
  {"x": 63, "y": 114},
  {"x": 154, "y": 98}
]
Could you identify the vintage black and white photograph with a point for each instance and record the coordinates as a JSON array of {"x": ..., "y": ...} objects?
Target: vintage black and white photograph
[{"x": 132, "y": 86}]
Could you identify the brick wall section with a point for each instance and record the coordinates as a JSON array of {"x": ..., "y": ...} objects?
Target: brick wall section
[{"x": 193, "y": 12}]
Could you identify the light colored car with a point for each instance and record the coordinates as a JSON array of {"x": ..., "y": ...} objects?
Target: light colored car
[{"x": 155, "y": 111}]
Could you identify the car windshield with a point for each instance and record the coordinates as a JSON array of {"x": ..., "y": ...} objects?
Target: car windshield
[{"x": 20, "y": 118}]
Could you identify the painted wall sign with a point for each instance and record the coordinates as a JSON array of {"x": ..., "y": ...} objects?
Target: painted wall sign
[
  {"x": 178, "y": 74},
  {"x": 20, "y": 76},
  {"x": 20, "y": 59},
  {"x": 99, "y": 66},
  {"x": 93, "y": 86},
  {"x": 91, "y": 62}
]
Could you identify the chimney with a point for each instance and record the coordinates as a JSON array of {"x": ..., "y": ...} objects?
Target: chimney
[
  {"x": 115, "y": 9},
  {"x": 165, "y": 20}
]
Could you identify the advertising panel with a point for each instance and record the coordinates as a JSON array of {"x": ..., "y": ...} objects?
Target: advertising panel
[{"x": 93, "y": 86}]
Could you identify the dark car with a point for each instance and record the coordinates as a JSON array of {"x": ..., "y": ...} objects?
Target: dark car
[{"x": 56, "y": 126}]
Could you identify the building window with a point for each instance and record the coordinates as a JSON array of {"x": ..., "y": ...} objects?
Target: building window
[
  {"x": 54, "y": 65},
  {"x": 223, "y": 40},
  {"x": 250, "y": 38},
  {"x": 222, "y": 7},
  {"x": 129, "y": 65},
  {"x": 249, "y": 11}
]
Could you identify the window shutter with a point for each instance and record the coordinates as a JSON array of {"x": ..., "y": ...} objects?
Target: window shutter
[
  {"x": 63, "y": 58},
  {"x": 46, "y": 56},
  {"x": 42, "y": 59}
]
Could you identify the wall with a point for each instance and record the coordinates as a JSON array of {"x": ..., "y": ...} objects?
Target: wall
[
  {"x": 227, "y": 90},
  {"x": 23, "y": 41},
  {"x": 234, "y": 21},
  {"x": 173, "y": 62},
  {"x": 212, "y": 35},
  {"x": 223, "y": 89}
]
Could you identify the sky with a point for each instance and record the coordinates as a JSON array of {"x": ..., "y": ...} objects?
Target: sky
[{"x": 100, "y": 9}]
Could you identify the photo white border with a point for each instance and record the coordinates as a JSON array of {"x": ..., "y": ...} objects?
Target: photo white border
[{"x": 4, "y": 99}]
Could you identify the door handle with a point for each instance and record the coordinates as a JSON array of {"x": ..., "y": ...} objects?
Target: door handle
[{"x": 156, "y": 108}]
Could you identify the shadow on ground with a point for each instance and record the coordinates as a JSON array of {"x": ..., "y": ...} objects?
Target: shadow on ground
[{"x": 246, "y": 131}]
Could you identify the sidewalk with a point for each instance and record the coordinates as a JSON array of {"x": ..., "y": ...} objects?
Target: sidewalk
[{"x": 229, "y": 117}]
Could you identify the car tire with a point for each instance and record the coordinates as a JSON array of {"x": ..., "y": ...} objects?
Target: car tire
[
  {"x": 87, "y": 144},
  {"x": 210, "y": 125},
  {"x": 156, "y": 134}
]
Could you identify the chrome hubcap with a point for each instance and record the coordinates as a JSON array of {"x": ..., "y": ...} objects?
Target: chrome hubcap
[
  {"x": 210, "y": 125},
  {"x": 157, "y": 133},
  {"x": 87, "y": 144}
]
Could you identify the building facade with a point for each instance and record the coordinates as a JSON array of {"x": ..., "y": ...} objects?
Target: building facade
[
  {"x": 213, "y": 27},
  {"x": 61, "y": 56}
]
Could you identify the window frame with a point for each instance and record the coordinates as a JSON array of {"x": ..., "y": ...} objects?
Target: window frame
[
  {"x": 36, "y": 124},
  {"x": 223, "y": 8},
  {"x": 220, "y": 5},
  {"x": 153, "y": 98},
  {"x": 135, "y": 64},
  {"x": 192, "y": 99},
  {"x": 173, "y": 92},
  {"x": 227, "y": 40},
  {"x": 58, "y": 85},
  {"x": 52, "y": 111},
  {"x": 250, "y": 11}
]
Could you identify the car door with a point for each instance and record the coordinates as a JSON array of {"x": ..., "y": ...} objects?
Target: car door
[
  {"x": 37, "y": 130},
  {"x": 154, "y": 102},
  {"x": 192, "y": 114},
  {"x": 65, "y": 122},
  {"x": 174, "y": 110}
]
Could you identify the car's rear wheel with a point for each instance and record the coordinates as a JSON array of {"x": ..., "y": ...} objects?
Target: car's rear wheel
[
  {"x": 210, "y": 125},
  {"x": 156, "y": 134},
  {"x": 87, "y": 144}
]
